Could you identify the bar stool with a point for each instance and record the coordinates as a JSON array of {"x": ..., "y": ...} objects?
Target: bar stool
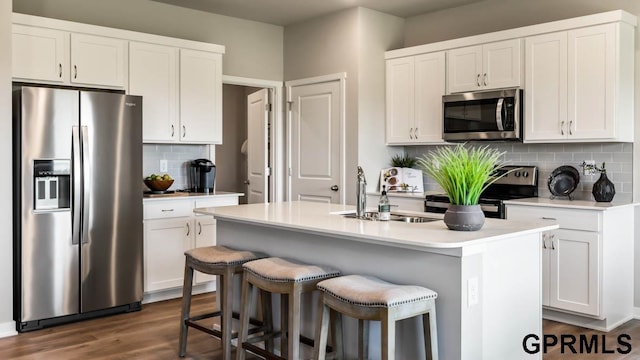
[
  {"x": 290, "y": 279},
  {"x": 225, "y": 263},
  {"x": 369, "y": 298}
]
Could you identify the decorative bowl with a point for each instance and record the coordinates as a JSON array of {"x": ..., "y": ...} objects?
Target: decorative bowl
[{"x": 158, "y": 185}]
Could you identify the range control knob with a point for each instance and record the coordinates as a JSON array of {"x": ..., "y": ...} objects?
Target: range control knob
[
  {"x": 525, "y": 174},
  {"x": 517, "y": 174}
]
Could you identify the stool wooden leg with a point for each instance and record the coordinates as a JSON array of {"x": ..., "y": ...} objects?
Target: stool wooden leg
[
  {"x": 284, "y": 324},
  {"x": 245, "y": 313},
  {"x": 267, "y": 319},
  {"x": 335, "y": 318},
  {"x": 226, "y": 317},
  {"x": 388, "y": 332},
  {"x": 322, "y": 327},
  {"x": 186, "y": 307},
  {"x": 294, "y": 323},
  {"x": 430, "y": 334},
  {"x": 363, "y": 339}
]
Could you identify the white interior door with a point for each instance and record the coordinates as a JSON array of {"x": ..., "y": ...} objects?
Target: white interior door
[
  {"x": 316, "y": 133},
  {"x": 257, "y": 154}
]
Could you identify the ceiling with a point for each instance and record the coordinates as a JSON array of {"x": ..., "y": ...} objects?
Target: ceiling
[{"x": 285, "y": 12}]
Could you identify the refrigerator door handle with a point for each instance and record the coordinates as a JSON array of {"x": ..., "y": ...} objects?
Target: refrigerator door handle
[
  {"x": 86, "y": 179},
  {"x": 76, "y": 159}
]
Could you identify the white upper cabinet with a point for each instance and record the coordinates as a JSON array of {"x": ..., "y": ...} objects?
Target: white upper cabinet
[
  {"x": 488, "y": 66},
  {"x": 153, "y": 73},
  {"x": 415, "y": 86},
  {"x": 40, "y": 54},
  {"x": 97, "y": 60},
  {"x": 200, "y": 97},
  {"x": 579, "y": 85}
]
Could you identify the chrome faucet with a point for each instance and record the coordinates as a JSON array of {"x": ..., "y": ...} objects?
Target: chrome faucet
[{"x": 361, "y": 190}]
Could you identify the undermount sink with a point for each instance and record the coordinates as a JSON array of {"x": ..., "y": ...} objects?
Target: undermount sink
[{"x": 373, "y": 216}]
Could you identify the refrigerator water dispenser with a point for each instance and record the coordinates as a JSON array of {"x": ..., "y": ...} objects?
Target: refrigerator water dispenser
[{"x": 52, "y": 184}]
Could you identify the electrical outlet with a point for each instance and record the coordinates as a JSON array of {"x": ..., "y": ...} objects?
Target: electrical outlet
[
  {"x": 588, "y": 167},
  {"x": 163, "y": 166},
  {"x": 472, "y": 292}
]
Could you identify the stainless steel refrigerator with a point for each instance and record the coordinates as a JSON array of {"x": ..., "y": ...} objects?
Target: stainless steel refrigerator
[{"x": 77, "y": 204}]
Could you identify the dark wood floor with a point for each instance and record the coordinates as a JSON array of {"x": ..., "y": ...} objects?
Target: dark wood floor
[{"x": 153, "y": 334}]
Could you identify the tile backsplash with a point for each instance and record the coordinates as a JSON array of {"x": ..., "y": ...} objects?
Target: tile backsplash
[
  {"x": 177, "y": 156},
  {"x": 617, "y": 156}
]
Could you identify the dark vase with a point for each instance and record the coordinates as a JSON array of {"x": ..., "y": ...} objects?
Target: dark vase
[
  {"x": 603, "y": 189},
  {"x": 464, "y": 217}
]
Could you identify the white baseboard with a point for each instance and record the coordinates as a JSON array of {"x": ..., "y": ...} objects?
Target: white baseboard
[
  {"x": 174, "y": 293},
  {"x": 8, "y": 329},
  {"x": 636, "y": 313}
]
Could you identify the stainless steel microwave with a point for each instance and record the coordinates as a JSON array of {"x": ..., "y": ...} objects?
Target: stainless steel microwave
[{"x": 487, "y": 115}]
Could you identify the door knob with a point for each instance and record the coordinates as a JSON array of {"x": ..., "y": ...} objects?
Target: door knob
[
  {"x": 335, "y": 188},
  {"x": 246, "y": 182}
]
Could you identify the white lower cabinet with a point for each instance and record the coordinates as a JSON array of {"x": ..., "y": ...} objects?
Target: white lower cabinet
[
  {"x": 587, "y": 264},
  {"x": 170, "y": 229}
]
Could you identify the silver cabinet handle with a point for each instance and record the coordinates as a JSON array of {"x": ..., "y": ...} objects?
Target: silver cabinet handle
[
  {"x": 188, "y": 229},
  {"x": 562, "y": 127},
  {"x": 415, "y": 133},
  {"x": 199, "y": 228},
  {"x": 173, "y": 130},
  {"x": 485, "y": 79},
  {"x": 75, "y": 71},
  {"x": 570, "y": 126},
  {"x": 544, "y": 241},
  {"x": 411, "y": 133},
  {"x": 553, "y": 247},
  {"x": 60, "y": 70},
  {"x": 478, "y": 80},
  {"x": 548, "y": 218},
  {"x": 167, "y": 210},
  {"x": 184, "y": 131},
  {"x": 334, "y": 188}
]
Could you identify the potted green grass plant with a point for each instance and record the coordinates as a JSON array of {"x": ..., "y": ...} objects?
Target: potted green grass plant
[{"x": 463, "y": 172}]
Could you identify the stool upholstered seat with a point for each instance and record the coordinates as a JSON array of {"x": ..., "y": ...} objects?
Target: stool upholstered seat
[
  {"x": 225, "y": 263},
  {"x": 290, "y": 279},
  {"x": 369, "y": 298}
]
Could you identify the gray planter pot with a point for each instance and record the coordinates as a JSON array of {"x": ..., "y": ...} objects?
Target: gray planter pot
[{"x": 464, "y": 217}]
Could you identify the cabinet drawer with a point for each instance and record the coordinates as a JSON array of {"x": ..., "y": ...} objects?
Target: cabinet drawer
[
  {"x": 576, "y": 219},
  {"x": 221, "y": 201},
  {"x": 168, "y": 209}
]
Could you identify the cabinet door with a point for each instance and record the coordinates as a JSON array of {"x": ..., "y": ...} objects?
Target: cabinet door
[
  {"x": 546, "y": 248},
  {"x": 464, "y": 69},
  {"x": 205, "y": 235},
  {"x": 200, "y": 97},
  {"x": 153, "y": 73},
  {"x": 429, "y": 88},
  {"x": 98, "y": 60},
  {"x": 501, "y": 63},
  {"x": 165, "y": 242},
  {"x": 39, "y": 54},
  {"x": 400, "y": 100},
  {"x": 574, "y": 282},
  {"x": 591, "y": 82},
  {"x": 546, "y": 87}
]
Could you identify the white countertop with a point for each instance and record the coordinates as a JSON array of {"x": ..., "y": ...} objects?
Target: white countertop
[
  {"x": 570, "y": 204},
  {"x": 189, "y": 196},
  {"x": 325, "y": 219}
]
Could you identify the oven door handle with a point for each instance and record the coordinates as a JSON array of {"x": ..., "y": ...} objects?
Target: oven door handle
[
  {"x": 490, "y": 208},
  {"x": 499, "y": 114}
]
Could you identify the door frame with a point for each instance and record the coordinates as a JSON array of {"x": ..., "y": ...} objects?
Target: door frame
[
  {"x": 342, "y": 78},
  {"x": 276, "y": 133}
]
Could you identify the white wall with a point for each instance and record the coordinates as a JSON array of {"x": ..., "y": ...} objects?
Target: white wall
[
  {"x": 254, "y": 49},
  {"x": 7, "y": 326},
  {"x": 351, "y": 41},
  {"x": 493, "y": 15}
]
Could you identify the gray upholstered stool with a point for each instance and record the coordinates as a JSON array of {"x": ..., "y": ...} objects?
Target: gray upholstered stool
[
  {"x": 290, "y": 279},
  {"x": 225, "y": 263},
  {"x": 369, "y": 298}
]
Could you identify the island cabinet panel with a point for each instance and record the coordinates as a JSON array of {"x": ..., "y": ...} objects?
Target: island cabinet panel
[
  {"x": 98, "y": 60},
  {"x": 170, "y": 229},
  {"x": 578, "y": 86},
  {"x": 200, "y": 97},
  {"x": 415, "y": 86},
  {"x": 39, "y": 54},
  {"x": 153, "y": 74},
  {"x": 482, "y": 67},
  {"x": 587, "y": 263}
]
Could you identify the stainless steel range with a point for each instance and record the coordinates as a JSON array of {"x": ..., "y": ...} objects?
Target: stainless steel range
[{"x": 522, "y": 182}]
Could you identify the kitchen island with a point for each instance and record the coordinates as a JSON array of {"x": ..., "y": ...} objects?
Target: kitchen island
[{"x": 488, "y": 281}]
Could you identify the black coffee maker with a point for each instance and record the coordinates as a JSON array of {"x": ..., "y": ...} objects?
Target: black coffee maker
[{"x": 202, "y": 175}]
